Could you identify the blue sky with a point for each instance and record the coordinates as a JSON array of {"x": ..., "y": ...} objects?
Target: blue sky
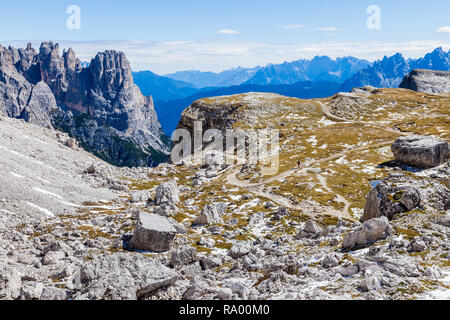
[{"x": 165, "y": 36}]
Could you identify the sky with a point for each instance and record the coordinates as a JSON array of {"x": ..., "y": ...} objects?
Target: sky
[{"x": 173, "y": 35}]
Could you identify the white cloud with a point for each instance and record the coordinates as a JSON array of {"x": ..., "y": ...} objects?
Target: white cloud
[
  {"x": 443, "y": 29},
  {"x": 218, "y": 55},
  {"x": 329, "y": 29},
  {"x": 228, "y": 31},
  {"x": 293, "y": 26}
]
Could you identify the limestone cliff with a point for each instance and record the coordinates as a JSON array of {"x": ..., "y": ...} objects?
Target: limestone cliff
[{"x": 99, "y": 105}]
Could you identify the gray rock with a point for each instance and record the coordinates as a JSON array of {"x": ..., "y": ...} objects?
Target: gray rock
[
  {"x": 167, "y": 193},
  {"x": 388, "y": 201},
  {"x": 166, "y": 210},
  {"x": 429, "y": 81},
  {"x": 368, "y": 233},
  {"x": 421, "y": 151},
  {"x": 371, "y": 283},
  {"x": 330, "y": 261},
  {"x": 417, "y": 246},
  {"x": 210, "y": 262},
  {"x": 123, "y": 276},
  {"x": 311, "y": 230},
  {"x": 239, "y": 250},
  {"x": 10, "y": 282},
  {"x": 206, "y": 242},
  {"x": 152, "y": 233},
  {"x": 183, "y": 256},
  {"x": 32, "y": 291},
  {"x": 112, "y": 115},
  {"x": 444, "y": 221},
  {"x": 209, "y": 215},
  {"x": 52, "y": 294}
]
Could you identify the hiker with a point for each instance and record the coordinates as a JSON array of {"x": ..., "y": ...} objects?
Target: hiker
[{"x": 299, "y": 164}]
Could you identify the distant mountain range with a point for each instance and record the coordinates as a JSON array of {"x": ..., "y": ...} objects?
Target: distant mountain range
[
  {"x": 390, "y": 71},
  {"x": 318, "y": 69},
  {"x": 225, "y": 78},
  {"x": 162, "y": 88},
  {"x": 315, "y": 78}
]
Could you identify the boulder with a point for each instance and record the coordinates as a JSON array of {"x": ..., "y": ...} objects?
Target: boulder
[
  {"x": 386, "y": 200},
  {"x": 368, "y": 233},
  {"x": 152, "y": 233},
  {"x": 183, "y": 256},
  {"x": 429, "y": 81},
  {"x": 421, "y": 151},
  {"x": 167, "y": 193},
  {"x": 311, "y": 230},
  {"x": 239, "y": 250},
  {"x": 208, "y": 215}
]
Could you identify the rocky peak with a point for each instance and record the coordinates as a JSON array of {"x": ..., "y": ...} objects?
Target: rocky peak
[
  {"x": 111, "y": 72},
  {"x": 99, "y": 105}
]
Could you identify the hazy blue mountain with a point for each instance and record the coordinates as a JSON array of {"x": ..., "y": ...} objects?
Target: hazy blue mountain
[
  {"x": 162, "y": 88},
  {"x": 390, "y": 71},
  {"x": 169, "y": 113},
  {"x": 320, "y": 68},
  {"x": 225, "y": 78}
]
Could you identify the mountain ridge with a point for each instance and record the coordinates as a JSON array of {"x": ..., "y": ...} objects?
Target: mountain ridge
[{"x": 99, "y": 105}]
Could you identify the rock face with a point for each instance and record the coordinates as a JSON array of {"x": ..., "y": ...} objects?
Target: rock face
[
  {"x": 421, "y": 151},
  {"x": 368, "y": 233},
  {"x": 98, "y": 105},
  {"x": 429, "y": 81},
  {"x": 152, "y": 233}
]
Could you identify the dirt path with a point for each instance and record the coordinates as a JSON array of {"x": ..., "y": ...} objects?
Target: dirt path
[
  {"x": 257, "y": 188},
  {"x": 328, "y": 113}
]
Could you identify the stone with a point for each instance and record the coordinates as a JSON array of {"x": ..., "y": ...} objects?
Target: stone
[
  {"x": 183, "y": 256},
  {"x": 139, "y": 196},
  {"x": 53, "y": 257},
  {"x": 166, "y": 210},
  {"x": 239, "y": 250},
  {"x": 53, "y": 294},
  {"x": 368, "y": 233},
  {"x": 167, "y": 193},
  {"x": 444, "y": 221},
  {"x": 421, "y": 151},
  {"x": 123, "y": 276},
  {"x": 152, "y": 233},
  {"x": 209, "y": 215},
  {"x": 330, "y": 261},
  {"x": 211, "y": 174},
  {"x": 388, "y": 201},
  {"x": 371, "y": 283},
  {"x": 10, "y": 282},
  {"x": 429, "y": 81},
  {"x": 210, "y": 262},
  {"x": 417, "y": 246},
  {"x": 111, "y": 114},
  {"x": 206, "y": 242},
  {"x": 311, "y": 230}
]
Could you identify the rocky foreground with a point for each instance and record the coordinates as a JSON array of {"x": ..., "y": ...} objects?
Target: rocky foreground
[{"x": 359, "y": 220}]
